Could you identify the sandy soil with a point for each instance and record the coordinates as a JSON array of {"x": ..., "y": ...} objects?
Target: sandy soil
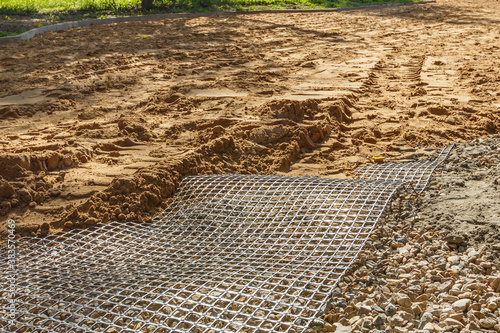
[
  {"x": 465, "y": 200},
  {"x": 101, "y": 123}
]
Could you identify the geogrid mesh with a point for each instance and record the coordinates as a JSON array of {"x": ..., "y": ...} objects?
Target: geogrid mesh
[
  {"x": 229, "y": 254},
  {"x": 415, "y": 174}
]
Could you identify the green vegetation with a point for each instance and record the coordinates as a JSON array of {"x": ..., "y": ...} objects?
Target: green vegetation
[
  {"x": 131, "y": 6},
  {"x": 6, "y": 34}
]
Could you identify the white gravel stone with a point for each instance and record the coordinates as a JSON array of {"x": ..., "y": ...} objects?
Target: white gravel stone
[
  {"x": 461, "y": 305},
  {"x": 453, "y": 323},
  {"x": 403, "y": 300}
]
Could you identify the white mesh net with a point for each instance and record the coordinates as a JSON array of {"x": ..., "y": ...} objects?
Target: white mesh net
[{"x": 230, "y": 254}]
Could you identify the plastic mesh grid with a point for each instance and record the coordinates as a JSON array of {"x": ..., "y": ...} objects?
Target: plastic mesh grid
[
  {"x": 415, "y": 174},
  {"x": 230, "y": 254}
]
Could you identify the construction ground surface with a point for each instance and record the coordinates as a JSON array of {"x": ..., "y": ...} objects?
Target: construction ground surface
[{"x": 101, "y": 123}]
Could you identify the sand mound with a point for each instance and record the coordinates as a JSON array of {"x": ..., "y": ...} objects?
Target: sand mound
[{"x": 467, "y": 194}]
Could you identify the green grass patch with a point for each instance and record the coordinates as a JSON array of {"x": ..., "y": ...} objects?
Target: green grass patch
[
  {"x": 131, "y": 6},
  {"x": 40, "y": 6},
  {"x": 6, "y": 34}
]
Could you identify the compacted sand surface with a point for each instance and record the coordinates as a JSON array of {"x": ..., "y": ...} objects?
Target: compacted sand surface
[{"x": 101, "y": 123}]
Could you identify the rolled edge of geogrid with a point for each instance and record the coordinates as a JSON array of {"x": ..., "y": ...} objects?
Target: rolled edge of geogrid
[
  {"x": 415, "y": 175},
  {"x": 75, "y": 24}
]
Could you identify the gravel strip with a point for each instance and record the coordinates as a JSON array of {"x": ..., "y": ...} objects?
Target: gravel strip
[{"x": 435, "y": 271}]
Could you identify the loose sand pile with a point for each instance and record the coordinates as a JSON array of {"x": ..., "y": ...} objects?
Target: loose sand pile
[
  {"x": 465, "y": 199},
  {"x": 101, "y": 123}
]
